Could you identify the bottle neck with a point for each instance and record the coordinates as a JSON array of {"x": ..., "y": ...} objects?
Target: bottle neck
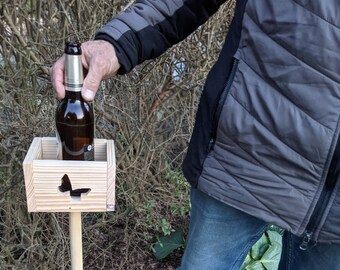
[
  {"x": 73, "y": 73},
  {"x": 74, "y": 95}
]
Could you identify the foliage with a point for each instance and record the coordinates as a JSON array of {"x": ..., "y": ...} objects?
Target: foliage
[
  {"x": 265, "y": 254},
  {"x": 167, "y": 244}
]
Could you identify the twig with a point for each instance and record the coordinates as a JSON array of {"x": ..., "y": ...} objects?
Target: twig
[
  {"x": 69, "y": 19},
  {"x": 158, "y": 99},
  {"x": 23, "y": 42}
]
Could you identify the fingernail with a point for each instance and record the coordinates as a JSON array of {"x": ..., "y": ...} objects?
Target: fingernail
[{"x": 88, "y": 94}]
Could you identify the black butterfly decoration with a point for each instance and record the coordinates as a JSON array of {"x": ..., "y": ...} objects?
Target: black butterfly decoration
[{"x": 67, "y": 186}]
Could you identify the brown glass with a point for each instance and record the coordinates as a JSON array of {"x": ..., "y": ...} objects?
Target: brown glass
[{"x": 75, "y": 127}]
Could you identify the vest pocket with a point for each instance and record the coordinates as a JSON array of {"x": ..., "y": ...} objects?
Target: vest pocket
[{"x": 221, "y": 102}]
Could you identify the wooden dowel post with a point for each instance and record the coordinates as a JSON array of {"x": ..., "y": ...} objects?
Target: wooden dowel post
[{"x": 76, "y": 241}]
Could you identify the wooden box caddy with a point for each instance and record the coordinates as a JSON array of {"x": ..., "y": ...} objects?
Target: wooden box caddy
[{"x": 43, "y": 174}]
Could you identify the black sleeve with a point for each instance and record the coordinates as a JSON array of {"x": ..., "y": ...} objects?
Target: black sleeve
[{"x": 149, "y": 27}]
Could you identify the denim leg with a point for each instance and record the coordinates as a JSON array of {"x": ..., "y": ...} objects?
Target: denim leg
[
  {"x": 219, "y": 235},
  {"x": 322, "y": 256}
]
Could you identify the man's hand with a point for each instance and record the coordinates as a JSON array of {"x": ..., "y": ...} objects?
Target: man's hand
[{"x": 100, "y": 61}]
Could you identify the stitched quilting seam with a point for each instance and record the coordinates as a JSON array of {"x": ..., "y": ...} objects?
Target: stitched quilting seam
[{"x": 274, "y": 135}]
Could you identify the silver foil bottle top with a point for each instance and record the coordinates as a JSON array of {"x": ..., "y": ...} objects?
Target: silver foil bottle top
[{"x": 74, "y": 77}]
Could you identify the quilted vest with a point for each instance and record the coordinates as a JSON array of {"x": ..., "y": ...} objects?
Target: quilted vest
[{"x": 274, "y": 153}]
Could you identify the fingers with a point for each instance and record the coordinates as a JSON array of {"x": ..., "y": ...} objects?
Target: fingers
[
  {"x": 98, "y": 58},
  {"x": 57, "y": 77},
  {"x": 91, "y": 83}
]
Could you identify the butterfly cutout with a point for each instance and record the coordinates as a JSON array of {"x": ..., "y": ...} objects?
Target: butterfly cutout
[{"x": 67, "y": 186}]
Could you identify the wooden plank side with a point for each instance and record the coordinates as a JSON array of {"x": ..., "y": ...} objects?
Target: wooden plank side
[
  {"x": 82, "y": 174},
  {"x": 48, "y": 208},
  {"x": 111, "y": 176},
  {"x": 100, "y": 149},
  {"x": 49, "y": 148},
  {"x": 34, "y": 152},
  {"x": 69, "y": 166}
]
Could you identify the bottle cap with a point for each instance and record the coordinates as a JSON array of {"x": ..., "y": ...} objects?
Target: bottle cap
[{"x": 73, "y": 47}]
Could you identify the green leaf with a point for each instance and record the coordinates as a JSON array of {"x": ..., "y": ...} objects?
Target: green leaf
[
  {"x": 260, "y": 247},
  {"x": 274, "y": 236},
  {"x": 248, "y": 260},
  {"x": 255, "y": 265},
  {"x": 271, "y": 257},
  {"x": 265, "y": 254},
  {"x": 168, "y": 244}
]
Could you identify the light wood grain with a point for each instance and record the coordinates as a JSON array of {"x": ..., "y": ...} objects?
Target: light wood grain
[
  {"x": 43, "y": 174},
  {"x": 111, "y": 176}
]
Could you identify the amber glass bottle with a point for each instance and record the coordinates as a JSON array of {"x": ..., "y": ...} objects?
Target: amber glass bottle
[{"x": 74, "y": 116}]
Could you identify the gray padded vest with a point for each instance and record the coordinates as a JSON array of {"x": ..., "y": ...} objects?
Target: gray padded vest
[{"x": 279, "y": 117}]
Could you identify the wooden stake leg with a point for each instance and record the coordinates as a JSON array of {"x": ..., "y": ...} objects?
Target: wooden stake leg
[{"x": 76, "y": 241}]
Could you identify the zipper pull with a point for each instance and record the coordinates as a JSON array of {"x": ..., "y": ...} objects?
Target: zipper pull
[
  {"x": 210, "y": 145},
  {"x": 305, "y": 241}
]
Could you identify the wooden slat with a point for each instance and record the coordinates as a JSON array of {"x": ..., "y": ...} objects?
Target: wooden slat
[
  {"x": 100, "y": 149},
  {"x": 111, "y": 175},
  {"x": 34, "y": 152},
  {"x": 66, "y": 208},
  {"x": 49, "y": 148}
]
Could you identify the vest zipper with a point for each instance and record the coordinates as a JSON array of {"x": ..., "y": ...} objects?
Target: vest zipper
[
  {"x": 332, "y": 175},
  {"x": 222, "y": 100},
  {"x": 305, "y": 240}
]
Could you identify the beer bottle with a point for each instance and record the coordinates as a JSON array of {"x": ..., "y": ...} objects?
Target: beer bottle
[{"x": 74, "y": 116}]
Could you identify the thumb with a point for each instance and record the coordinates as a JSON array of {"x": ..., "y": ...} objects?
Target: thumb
[{"x": 91, "y": 85}]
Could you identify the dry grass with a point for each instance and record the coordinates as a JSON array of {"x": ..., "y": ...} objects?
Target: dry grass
[{"x": 148, "y": 113}]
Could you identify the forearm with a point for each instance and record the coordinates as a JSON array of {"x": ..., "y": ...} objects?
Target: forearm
[{"x": 149, "y": 27}]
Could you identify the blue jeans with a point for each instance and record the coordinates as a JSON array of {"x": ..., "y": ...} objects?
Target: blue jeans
[{"x": 220, "y": 237}]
